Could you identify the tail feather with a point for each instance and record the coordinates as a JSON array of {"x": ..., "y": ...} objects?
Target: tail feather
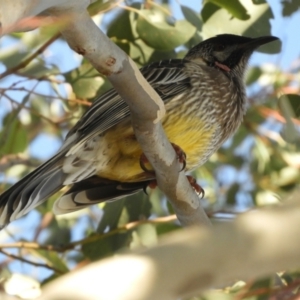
[
  {"x": 94, "y": 190},
  {"x": 31, "y": 191}
]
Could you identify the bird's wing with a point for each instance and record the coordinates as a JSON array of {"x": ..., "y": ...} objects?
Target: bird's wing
[{"x": 166, "y": 77}]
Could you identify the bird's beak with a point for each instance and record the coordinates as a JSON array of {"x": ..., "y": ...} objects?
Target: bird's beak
[{"x": 257, "y": 42}]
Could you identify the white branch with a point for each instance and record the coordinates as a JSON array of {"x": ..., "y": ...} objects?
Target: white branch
[
  {"x": 188, "y": 262},
  {"x": 147, "y": 109}
]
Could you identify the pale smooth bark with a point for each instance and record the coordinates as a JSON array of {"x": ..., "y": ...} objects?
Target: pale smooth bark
[{"x": 188, "y": 262}]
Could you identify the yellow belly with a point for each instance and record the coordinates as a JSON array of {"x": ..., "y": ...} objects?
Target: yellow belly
[{"x": 124, "y": 151}]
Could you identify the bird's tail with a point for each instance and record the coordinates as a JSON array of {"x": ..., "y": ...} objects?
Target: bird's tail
[
  {"x": 94, "y": 190},
  {"x": 32, "y": 190}
]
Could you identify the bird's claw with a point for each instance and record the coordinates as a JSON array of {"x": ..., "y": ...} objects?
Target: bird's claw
[
  {"x": 151, "y": 184},
  {"x": 181, "y": 156},
  {"x": 198, "y": 189},
  {"x": 144, "y": 160}
]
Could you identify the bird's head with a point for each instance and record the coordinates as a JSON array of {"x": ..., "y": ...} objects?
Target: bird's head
[{"x": 228, "y": 52}]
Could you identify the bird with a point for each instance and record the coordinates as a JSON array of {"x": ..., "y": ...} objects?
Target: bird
[{"x": 100, "y": 159}]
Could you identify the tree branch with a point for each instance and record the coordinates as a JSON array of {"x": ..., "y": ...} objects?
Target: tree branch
[
  {"x": 187, "y": 262},
  {"x": 10, "y": 160}
]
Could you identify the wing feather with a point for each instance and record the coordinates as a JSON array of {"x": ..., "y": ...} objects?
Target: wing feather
[{"x": 166, "y": 77}]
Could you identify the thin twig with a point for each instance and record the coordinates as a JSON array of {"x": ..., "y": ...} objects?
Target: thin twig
[
  {"x": 41, "y": 78},
  {"x": 47, "y": 266},
  {"x": 32, "y": 245},
  {"x": 22, "y": 106},
  {"x": 26, "y": 61},
  {"x": 23, "y": 89},
  {"x": 10, "y": 160},
  {"x": 71, "y": 246},
  {"x": 123, "y": 228}
]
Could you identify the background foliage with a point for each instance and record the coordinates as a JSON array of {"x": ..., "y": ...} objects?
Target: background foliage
[{"x": 45, "y": 88}]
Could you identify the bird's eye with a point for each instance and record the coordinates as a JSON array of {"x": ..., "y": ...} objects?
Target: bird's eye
[{"x": 219, "y": 47}]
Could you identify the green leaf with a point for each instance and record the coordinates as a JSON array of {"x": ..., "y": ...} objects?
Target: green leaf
[
  {"x": 294, "y": 101},
  {"x": 231, "y": 194},
  {"x": 234, "y": 7},
  {"x": 38, "y": 68},
  {"x": 289, "y": 7},
  {"x": 106, "y": 245},
  {"x": 85, "y": 80},
  {"x": 192, "y": 16},
  {"x": 158, "y": 34},
  {"x": 10, "y": 57},
  {"x": 124, "y": 45},
  {"x": 52, "y": 258},
  {"x": 253, "y": 74},
  {"x": 120, "y": 27},
  {"x": 111, "y": 215},
  {"x": 138, "y": 207},
  {"x": 13, "y": 137},
  {"x": 99, "y": 5},
  {"x": 258, "y": 24},
  {"x": 166, "y": 228},
  {"x": 289, "y": 133},
  {"x": 208, "y": 10}
]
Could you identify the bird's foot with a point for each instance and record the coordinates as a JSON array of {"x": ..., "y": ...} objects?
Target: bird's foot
[
  {"x": 143, "y": 162},
  {"x": 152, "y": 184},
  {"x": 197, "y": 188},
  {"x": 181, "y": 156}
]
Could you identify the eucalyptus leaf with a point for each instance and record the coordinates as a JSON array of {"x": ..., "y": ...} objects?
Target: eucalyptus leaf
[
  {"x": 14, "y": 138},
  {"x": 252, "y": 75},
  {"x": 158, "y": 34},
  {"x": 121, "y": 27},
  {"x": 234, "y": 7},
  {"x": 38, "y": 69},
  {"x": 289, "y": 7},
  {"x": 85, "y": 80},
  {"x": 52, "y": 258},
  {"x": 192, "y": 16},
  {"x": 106, "y": 245},
  {"x": 289, "y": 133},
  {"x": 294, "y": 101}
]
